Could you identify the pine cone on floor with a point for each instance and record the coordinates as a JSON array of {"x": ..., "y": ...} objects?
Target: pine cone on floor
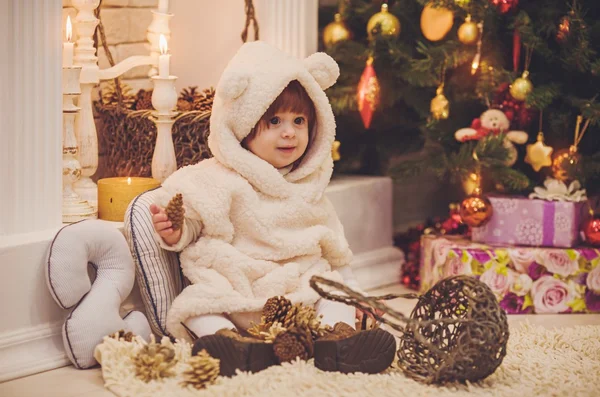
[
  {"x": 275, "y": 309},
  {"x": 154, "y": 361},
  {"x": 143, "y": 100},
  {"x": 121, "y": 334},
  {"x": 305, "y": 316},
  {"x": 266, "y": 332},
  {"x": 203, "y": 370},
  {"x": 175, "y": 211},
  {"x": 295, "y": 342}
]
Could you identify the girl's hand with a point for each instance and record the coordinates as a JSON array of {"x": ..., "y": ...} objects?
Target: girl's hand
[{"x": 163, "y": 225}]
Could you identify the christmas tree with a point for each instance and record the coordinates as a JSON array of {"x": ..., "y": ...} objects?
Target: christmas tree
[{"x": 535, "y": 61}]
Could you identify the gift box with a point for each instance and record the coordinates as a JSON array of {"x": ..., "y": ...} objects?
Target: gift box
[
  {"x": 524, "y": 279},
  {"x": 532, "y": 222}
]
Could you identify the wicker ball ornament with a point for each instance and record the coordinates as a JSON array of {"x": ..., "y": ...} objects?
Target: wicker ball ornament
[
  {"x": 476, "y": 210},
  {"x": 459, "y": 333}
]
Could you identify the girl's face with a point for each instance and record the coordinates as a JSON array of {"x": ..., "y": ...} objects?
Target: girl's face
[{"x": 283, "y": 140}]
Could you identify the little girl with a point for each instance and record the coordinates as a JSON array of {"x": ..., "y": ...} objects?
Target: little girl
[{"x": 257, "y": 221}]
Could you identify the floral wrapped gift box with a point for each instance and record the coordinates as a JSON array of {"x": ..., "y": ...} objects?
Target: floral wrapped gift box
[{"x": 525, "y": 280}]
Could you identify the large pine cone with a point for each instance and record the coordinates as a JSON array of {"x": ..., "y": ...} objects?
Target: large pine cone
[
  {"x": 175, "y": 211},
  {"x": 295, "y": 342},
  {"x": 276, "y": 309},
  {"x": 154, "y": 361},
  {"x": 203, "y": 370}
]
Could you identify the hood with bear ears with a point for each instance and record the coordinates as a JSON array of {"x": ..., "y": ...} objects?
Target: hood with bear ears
[{"x": 252, "y": 80}]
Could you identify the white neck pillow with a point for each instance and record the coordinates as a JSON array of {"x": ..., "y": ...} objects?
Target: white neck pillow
[{"x": 95, "y": 304}]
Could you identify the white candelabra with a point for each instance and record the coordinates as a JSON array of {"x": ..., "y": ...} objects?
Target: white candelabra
[
  {"x": 74, "y": 209},
  {"x": 91, "y": 75},
  {"x": 164, "y": 100}
]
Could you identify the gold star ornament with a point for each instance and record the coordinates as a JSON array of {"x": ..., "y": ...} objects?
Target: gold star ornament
[{"x": 538, "y": 154}]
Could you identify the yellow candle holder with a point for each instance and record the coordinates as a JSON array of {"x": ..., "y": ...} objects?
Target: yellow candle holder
[{"x": 115, "y": 194}]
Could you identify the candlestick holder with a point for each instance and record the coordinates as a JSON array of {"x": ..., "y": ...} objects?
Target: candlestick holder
[
  {"x": 158, "y": 26},
  {"x": 164, "y": 100},
  {"x": 91, "y": 75},
  {"x": 74, "y": 208}
]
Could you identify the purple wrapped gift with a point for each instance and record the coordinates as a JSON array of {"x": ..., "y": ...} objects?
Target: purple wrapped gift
[{"x": 532, "y": 222}]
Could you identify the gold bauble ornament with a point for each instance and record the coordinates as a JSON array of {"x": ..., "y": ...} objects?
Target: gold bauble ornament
[
  {"x": 440, "y": 106},
  {"x": 468, "y": 32},
  {"x": 566, "y": 165},
  {"x": 476, "y": 210},
  {"x": 389, "y": 25},
  {"x": 538, "y": 154},
  {"x": 336, "y": 31},
  {"x": 521, "y": 87},
  {"x": 436, "y": 22}
]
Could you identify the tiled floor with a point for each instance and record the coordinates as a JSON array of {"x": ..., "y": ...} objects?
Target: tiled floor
[{"x": 70, "y": 382}]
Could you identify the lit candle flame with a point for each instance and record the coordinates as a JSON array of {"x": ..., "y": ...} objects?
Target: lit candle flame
[
  {"x": 69, "y": 29},
  {"x": 163, "y": 44},
  {"x": 129, "y": 180}
]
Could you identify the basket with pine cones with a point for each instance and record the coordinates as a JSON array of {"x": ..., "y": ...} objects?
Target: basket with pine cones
[{"x": 128, "y": 134}]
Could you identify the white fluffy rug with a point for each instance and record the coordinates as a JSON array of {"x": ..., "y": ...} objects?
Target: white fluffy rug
[{"x": 540, "y": 362}]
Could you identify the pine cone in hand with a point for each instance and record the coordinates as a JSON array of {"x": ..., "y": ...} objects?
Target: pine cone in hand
[
  {"x": 275, "y": 310},
  {"x": 295, "y": 342},
  {"x": 175, "y": 211},
  {"x": 203, "y": 370},
  {"x": 154, "y": 361}
]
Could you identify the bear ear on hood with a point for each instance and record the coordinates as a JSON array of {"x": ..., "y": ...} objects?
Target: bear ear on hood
[
  {"x": 233, "y": 86},
  {"x": 323, "y": 68}
]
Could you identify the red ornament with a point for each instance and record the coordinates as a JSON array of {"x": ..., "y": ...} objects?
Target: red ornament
[
  {"x": 516, "y": 50},
  {"x": 505, "y": 6},
  {"x": 591, "y": 229},
  {"x": 368, "y": 93}
]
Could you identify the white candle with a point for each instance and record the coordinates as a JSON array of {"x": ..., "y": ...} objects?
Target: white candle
[
  {"x": 163, "y": 6},
  {"x": 68, "y": 46},
  {"x": 163, "y": 59}
]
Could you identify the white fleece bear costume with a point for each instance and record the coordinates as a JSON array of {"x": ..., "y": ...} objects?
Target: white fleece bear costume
[{"x": 264, "y": 232}]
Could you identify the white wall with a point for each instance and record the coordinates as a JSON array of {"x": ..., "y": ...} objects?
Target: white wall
[{"x": 205, "y": 34}]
